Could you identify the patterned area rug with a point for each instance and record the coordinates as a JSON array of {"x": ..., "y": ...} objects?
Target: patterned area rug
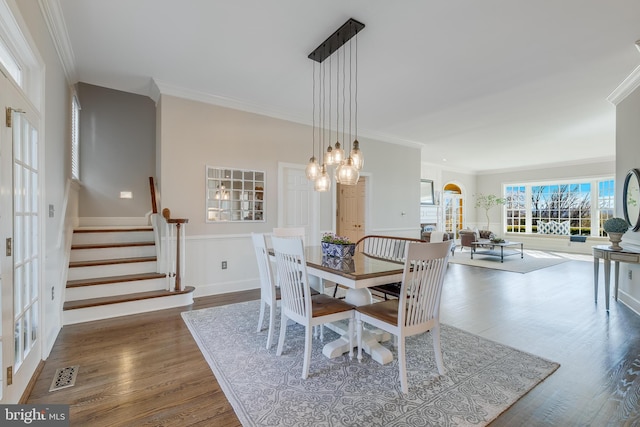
[
  {"x": 483, "y": 377},
  {"x": 531, "y": 261}
]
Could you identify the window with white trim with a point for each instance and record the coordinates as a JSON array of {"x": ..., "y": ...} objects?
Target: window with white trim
[
  {"x": 75, "y": 138},
  {"x": 571, "y": 206},
  {"x": 10, "y": 64}
]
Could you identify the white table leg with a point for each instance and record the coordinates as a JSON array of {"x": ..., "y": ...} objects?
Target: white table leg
[{"x": 370, "y": 338}]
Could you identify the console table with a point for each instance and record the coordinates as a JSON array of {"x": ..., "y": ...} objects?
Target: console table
[{"x": 607, "y": 254}]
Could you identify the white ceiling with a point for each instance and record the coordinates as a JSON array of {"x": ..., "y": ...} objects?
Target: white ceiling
[{"x": 486, "y": 85}]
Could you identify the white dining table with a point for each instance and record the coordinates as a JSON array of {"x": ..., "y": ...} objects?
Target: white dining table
[{"x": 357, "y": 274}]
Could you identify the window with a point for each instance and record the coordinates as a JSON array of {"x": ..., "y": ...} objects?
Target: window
[
  {"x": 75, "y": 138},
  {"x": 579, "y": 204},
  {"x": 10, "y": 64}
]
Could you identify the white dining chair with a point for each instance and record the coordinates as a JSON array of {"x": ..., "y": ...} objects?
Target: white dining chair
[
  {"x": 298, "y": 304},
  {"x": 417, "y": 309},
  {"x": 269, "y": 293},
  {"x": 299, "y": 232},
  {"x": 290, "y": 232}
]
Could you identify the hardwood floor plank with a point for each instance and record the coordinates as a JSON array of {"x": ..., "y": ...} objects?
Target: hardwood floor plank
[{"x": 146, "y": 370}]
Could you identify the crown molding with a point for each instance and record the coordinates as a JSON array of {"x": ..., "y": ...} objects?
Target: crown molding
[
  {"x": 625, "y": 88},
  {"x": 54, "y": 18},
  {"x": 159, "y": 87},
  {"x": 629, "y": 84}
]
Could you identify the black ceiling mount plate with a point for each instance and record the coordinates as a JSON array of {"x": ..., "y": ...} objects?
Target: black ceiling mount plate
[{"x": 336, "y": 40}]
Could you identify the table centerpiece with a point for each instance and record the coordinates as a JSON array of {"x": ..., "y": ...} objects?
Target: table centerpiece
[{"x": 337, "y": 246}]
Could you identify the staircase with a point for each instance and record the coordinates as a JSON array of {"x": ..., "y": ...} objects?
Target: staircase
[{"x": 113, "y": 272}]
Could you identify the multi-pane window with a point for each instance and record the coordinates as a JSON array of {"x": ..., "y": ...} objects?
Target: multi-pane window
[
  {"x": 562, "y": 202},
  {"x": 578, "y": 204},
  {"x": 75, "y": 138},
  {"x": 606, "y": 199},
  {"x": 10, "y": 64},
  {"x": 516, "y": 208}
]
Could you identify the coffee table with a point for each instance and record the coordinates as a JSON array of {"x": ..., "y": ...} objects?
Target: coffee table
[{"x": 493, "y": 251}]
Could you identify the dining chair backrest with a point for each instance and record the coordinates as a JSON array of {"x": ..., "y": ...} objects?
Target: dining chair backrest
[
  {"x": 290, "y": 232},
  {"x": 385, "y": 247},
  {"x": 422, "y": 280},
  {"x": 291, "y": 270},
  {"x": 267, "y": 287}
]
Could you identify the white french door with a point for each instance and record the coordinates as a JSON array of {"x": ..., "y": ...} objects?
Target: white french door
[
  {"x": 452, "y": 213},
  {"x": 20, "y": 251}
]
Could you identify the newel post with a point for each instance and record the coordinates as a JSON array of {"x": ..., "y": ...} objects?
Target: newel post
[{"x": 178, "y": 223}]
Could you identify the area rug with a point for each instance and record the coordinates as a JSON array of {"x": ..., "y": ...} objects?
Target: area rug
[
  {"x": 483, "y": 377},
  {"x": 532, "y": 260}
]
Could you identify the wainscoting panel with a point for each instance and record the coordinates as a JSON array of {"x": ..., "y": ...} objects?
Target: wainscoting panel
[{"x": 204, "y": 256}]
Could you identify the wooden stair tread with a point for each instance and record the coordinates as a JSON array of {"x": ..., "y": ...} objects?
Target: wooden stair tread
[
  {"x": 95, "y": 302},
  {"x": 111, "y": 245},
  {"x": 111, "y": 230},
  {"x": 113, "y": 279},
  {"x": 111, "y": 261}
]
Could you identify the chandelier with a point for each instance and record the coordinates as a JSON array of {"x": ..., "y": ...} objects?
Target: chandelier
[{"x": 348, "y": 162}]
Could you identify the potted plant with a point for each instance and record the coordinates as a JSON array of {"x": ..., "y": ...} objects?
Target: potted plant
[
  {"x": 337, "y": 246},
  {"x": 488, "y": 201},
  {"x": 615, "y": 228}
]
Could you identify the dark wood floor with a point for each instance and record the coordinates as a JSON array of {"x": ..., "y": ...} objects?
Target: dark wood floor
[{"x": 147, "y": 370}]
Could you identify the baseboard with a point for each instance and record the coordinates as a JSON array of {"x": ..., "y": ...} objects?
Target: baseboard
[
  {"x": 32, "y": 383},
  {"x": 225, "y": 287},
  {"x": 629, "y": 301},
  {"x": 98, "y": 221}
]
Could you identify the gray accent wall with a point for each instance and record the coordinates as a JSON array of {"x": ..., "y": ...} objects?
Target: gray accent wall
[{"x": 117, "y": 152}]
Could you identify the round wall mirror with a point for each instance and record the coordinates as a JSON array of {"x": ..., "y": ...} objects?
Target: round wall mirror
[{"x": 631, "y": 198}]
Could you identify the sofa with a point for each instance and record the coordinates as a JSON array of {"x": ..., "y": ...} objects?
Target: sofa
[
  {"x": 426, "y": 236},
  {"x": 468, "y": 236}
]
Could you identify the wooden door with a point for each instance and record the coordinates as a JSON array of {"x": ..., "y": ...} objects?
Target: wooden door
[{"x": 350, "y": 221}]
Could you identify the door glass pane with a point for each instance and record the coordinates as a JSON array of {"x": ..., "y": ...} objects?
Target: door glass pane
[{"x": 26, "y": 238}]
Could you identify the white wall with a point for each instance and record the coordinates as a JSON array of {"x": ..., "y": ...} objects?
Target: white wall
[
  {"x": 193, "y": 135},
  {"x": 628, "y": 157},
  {"x": 54, "y": 136}
]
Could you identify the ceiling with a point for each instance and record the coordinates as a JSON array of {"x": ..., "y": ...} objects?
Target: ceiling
[{"x": 487, "y": 85}]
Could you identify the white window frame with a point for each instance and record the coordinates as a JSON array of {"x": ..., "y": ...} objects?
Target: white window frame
[
  {"x": 596, "y": 220},
  {"x": 75, "y": 136}
]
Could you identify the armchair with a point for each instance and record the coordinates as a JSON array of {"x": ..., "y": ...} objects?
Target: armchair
[{"x": 468, "y": 236}]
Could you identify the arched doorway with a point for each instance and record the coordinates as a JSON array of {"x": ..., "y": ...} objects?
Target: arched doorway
[{"x": 453, "y": 204}]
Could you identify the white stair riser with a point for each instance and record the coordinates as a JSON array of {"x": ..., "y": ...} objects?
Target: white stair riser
[
  {"x": 79, "y": 273},
  {"x": 126, "y": 308},
  {"x": 112, "y": 237},
  {"x": 113, "y": 289},
  {"x": 112, "y": 253}
]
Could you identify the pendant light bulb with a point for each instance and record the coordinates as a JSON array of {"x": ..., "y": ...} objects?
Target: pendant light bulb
[
  {"x": 348, "y": 174},
  {"x": 313, "y": 169},
  {"x": 329, "y": 158},
  {"x": 356, "y": 155},
  {"x": 323, "y": 183},
  {"x": 338, "y": 154}
]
